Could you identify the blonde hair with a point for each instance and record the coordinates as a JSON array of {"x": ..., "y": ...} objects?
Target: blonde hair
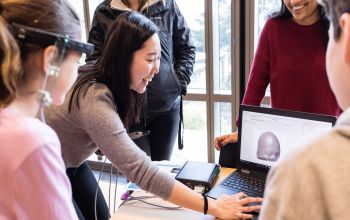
[
  {"x": 11, "y": 65},
  {"x": 49, "y": 15}
]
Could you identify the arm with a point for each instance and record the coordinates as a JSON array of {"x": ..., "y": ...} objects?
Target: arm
[
  {"x": 99, "y": 118},
  {"x": 103, "y": 125},
  {"x": 222, "y": 140},
  {"x": 184, "y": 50},
  {"x": 41, "y": 187}
]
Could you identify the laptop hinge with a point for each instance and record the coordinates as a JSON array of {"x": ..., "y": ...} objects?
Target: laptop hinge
[{"x": 245, "y": 171}]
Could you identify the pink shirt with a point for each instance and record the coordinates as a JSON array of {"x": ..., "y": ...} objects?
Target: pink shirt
[{"x": 33, "y": 181}]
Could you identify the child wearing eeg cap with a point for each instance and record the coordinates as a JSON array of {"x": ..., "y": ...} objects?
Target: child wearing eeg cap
[{"x": 35, "y": 57}]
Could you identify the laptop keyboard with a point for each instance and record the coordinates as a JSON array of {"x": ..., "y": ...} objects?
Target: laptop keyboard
[{"x": 249, "y": 185}]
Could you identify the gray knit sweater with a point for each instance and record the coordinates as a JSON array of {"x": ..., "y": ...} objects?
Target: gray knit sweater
[
  {"x": 97, "y": 125},
  {"x": 313, "y": 183}
]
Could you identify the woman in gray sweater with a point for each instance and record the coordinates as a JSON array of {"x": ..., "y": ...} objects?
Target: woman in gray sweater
[{"x": 104, "y": 101}]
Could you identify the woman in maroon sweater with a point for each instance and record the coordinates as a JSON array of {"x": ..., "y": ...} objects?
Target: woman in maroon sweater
[{"x": 291, "y": 58}]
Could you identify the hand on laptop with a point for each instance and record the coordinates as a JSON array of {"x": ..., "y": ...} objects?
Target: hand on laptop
[
  {"x": 238, "y": 206},
  {"x": 221, "y": 141}
]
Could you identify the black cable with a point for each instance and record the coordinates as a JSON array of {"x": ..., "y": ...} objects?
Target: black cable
[
  {"x": 109, "y": 190},
  {"x": 115, "y": 190},
  {"x": 98, "y": 181}
]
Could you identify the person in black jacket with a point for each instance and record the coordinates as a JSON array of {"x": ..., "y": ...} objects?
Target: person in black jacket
[{"x": 163, "y": 106}]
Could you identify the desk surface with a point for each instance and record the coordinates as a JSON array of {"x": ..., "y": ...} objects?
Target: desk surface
[{"x": 135, "y": 210}]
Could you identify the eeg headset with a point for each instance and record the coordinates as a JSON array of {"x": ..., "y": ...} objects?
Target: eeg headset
[{"x": 45, "y": 38}]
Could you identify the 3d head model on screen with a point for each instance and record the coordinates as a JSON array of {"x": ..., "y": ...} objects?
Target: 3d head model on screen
[{"x": 268, "y": 147}]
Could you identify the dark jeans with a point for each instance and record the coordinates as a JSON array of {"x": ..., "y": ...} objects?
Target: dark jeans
[
  {"x": 163, "y": 132},
  {"x": 84, "y": 187}
]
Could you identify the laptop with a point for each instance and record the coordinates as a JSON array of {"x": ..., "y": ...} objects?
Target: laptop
[{"x": 265, "y": 135}]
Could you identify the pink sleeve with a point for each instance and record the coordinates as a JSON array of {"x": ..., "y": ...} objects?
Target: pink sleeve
[{"x": 41, "y": 188}]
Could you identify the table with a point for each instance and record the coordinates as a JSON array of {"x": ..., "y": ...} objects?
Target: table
[{"x": 136, "y": 210}]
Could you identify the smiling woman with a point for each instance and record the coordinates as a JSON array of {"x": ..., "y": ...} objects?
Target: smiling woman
[
  {"x": 305, "y": 12},
  {"x": 145, "y": 63},
  {"x": 292, "y": 46}
]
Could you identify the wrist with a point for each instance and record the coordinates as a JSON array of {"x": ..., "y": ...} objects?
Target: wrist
[{"x": 212, "y": 207}]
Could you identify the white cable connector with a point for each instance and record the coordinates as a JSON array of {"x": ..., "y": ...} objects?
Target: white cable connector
[{"x": 45, "y": 98}]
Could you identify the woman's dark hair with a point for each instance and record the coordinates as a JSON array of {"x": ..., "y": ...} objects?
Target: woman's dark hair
[
  {"x": 54, "y": 16},
  {"x": 126, "y": 35},
  {"x": 285, "y": 13}
]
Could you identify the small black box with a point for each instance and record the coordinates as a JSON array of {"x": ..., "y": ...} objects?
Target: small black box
[{"x": 194, "y": 173}]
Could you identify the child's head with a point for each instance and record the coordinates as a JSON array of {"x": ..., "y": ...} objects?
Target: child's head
[
  {"x": 25, "y": 62},
  {"x": 338, "y": 51}
]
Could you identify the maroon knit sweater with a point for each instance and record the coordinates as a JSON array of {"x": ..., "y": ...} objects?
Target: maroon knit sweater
[{"x": 291, "y": 57}]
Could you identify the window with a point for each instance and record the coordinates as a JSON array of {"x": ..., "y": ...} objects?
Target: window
[
  {"x": 194, "y": 109},
  {"x": 222, "y": 26},
  {"x": 263, "y": 8},
  {"x": 195, "y": 141},
  {"x": 193, "y": 11},
  {"x": 208, "y": 108}
]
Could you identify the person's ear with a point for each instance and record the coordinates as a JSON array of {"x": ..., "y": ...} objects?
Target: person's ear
[
  {"x": 344, "y": 23},
  {"x": 49, "y": 56}
]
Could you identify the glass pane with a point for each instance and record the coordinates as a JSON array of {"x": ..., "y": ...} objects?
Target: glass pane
[
  {"x": 263, "y": 8},
  {"x": 195, "y": 135},
  {"x": 222, "y": 121},
  {"x": 222, "y": 74},
  {"x": 193, "y": 11}
]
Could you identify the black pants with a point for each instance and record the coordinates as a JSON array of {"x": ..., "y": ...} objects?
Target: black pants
[
  {"x": 84, "y": 187},
  {"x": 163, "y": 132}
]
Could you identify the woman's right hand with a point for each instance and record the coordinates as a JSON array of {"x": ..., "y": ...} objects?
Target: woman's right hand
[
  {"x": 236, "y": 206},
  {"x": 221, "y": 141}
]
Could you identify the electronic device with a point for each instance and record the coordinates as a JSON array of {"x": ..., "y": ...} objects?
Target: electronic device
[
  {"x": 195, "y": 173},
  {"x": 264, "y": 136},
  {"x": 46, "y": 38}
]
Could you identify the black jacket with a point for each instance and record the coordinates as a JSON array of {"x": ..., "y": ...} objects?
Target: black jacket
[{"x": 178, "y": 51}]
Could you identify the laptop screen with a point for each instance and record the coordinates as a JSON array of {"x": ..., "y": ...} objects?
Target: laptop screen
[{"x": 266, "y": 135}]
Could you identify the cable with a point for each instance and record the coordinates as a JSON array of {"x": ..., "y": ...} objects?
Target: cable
[
  {"x": 142, "y": 199},
  {"x": 115, "y": 190},
  {"x": 109, "y": 189},
  {"x": 97, "y": 187}
]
